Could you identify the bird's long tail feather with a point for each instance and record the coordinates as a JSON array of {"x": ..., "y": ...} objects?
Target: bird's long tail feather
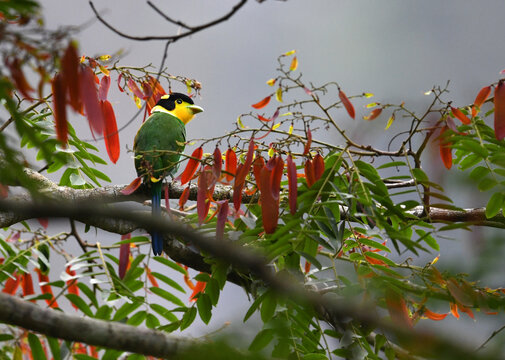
[{"x": 157, "y": 239}]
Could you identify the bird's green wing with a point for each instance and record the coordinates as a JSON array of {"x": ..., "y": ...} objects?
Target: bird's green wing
[{"x": 158, "y": 146}]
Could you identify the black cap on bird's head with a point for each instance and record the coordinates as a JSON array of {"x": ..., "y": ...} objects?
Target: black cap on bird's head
[{"x": 179, "y": 105}]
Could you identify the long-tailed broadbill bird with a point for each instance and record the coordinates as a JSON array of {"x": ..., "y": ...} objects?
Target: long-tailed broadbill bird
[{"x": 158, "y": 146}]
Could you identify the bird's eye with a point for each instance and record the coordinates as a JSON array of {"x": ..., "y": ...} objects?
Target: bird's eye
[{"x": 178, "y": 101}]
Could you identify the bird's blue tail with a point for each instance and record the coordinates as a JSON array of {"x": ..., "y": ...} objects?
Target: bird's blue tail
[{"x": 157, "y": 239}]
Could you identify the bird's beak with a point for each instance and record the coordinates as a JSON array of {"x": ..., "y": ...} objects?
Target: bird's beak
[{"x": 195, "y": 109}]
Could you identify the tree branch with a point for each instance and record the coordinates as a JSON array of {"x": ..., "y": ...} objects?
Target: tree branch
[
  {"x": 114, "y": 335},
  {"x": 191, "y": 30}
]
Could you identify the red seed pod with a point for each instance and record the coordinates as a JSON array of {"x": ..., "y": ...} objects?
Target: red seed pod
[
  {"x": 261, "y": 104},
  {"x": 309, "y": 173},
  {"x": 347, "y": 104},
  {"x": 59, "y": 109},
  {"x": 218, "y": 163},
  {"x": 184, "y": 198},
  {"x": 308, "y": 144},
  {"x": 276, "y": 178},
  {"x": 230, "y": 164},
  {"x": 258, "y": 165},
  {"x": 458, "y": 114},
  {"x": 192, "y": 165},
  {"x": 445, "y": 149},
  {"x": 499, "y": 111},
  {"x": 292, "y": 185},
  {"x": 111, "y": 135},
  {"x": 318, "y": 163}
]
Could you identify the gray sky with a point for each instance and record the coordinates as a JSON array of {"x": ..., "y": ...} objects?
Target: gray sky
[{"x": 396, "y": 49}]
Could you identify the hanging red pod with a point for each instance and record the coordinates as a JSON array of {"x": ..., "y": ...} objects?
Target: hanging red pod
[
  {"x": 347, "y": 104},
  {"x": 192, "y": 165},
  {"x": 292, "y": 185},
  {"x": 499, "y": 110},
  {"x": 230, "y": 164},
  {"x": 309, "y": 173},
  {"x": 318, "y": 163}
]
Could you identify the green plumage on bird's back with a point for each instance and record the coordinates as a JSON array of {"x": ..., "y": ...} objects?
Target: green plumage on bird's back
[{"x": 158, "y": 146}]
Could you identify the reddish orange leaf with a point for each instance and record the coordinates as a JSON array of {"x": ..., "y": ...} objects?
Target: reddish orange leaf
[
  {"x": 308, "y": 144},
  {"x": 151, "y": 278},
  {"x": 187, "y": 280},
  {"x": 104, "y": 87},
  {"x": 347, "y": 104},
  {"x": 157, "y": 93},
  {"x": 318, "y": 163},
  {"x": 119, "y": 82},
  {"x": 276, "y": 177},
  {"x": 44, "y": 222},
  {"x": 309, "y": 173},
  {"x": 134, "y": 185},
  {"x": 264, "y": 118},
  {"x": 132, "y": 85},
  {"x": 124, "y": 256},
  {"x": 292, "y": 185},
  {"x": 454, "y": 310},
  {"x": 72, "y": 283},
  {"x": 258, "y": 165},
  {"x": 222, "y": 216},
  {"x": 27, "y": 284},
  {"x": 19, "y": 78},
  {"x": 466, "y": 310},
  {"x": 433, "y": 315},
  {"x": 374, "y": 114},
  {"x": 218, "y": 163},
  {"x": 199, "y": 287},
  {"x": 111, "y": 135},
  {"x": 242, "y": 172},
  {"x": 59, "y": 109},
  {"x": 11, "y": 285},
  {"x": 230, "y": 164},
  {"x": 192, "y": 165},
  {"x": 397, "y": 309},
  {"x": 445, "y": 149},
  {"x": 202, "y": 200},
  {"x": 458, "y": 114},
  {"x": 237, "y": 189},
  {"x": 269, "y": 205},
  {"x": 70, "y": 73},
  {"x": 261, "y": 104},
  {"x": 480, "y": 98},
  {"x": 184, "y": 197},
  {"x": 307, "y": 266},
  {"x": 46, "y": 289},
  {"x": 90, "y": 100},
  {"x": 499, "y": 110}
]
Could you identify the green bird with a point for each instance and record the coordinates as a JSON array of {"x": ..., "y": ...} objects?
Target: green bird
[{"x": 158, "y": 146}]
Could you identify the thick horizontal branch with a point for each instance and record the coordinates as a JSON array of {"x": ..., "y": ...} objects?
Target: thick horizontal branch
[
  {"x": 336, "y": 309},
  {"x": 108, "y": 334}
]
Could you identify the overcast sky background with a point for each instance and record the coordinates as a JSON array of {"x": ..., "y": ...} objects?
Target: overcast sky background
[{"x": 395, "y": 49}]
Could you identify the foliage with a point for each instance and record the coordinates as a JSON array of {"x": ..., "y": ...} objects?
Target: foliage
[{"x": 330, "y": 216}]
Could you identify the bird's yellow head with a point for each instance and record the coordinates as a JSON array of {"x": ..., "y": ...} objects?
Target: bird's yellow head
[{"x": 179, "y": 105}]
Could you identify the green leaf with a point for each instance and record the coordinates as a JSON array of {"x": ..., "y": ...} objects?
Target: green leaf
[
  {"x": 126, "y": 309},
  {"x": 188, "y": 318},
  {"x": 89, "y": 293},
  {"x": 374, "y": 244},
  {"x": 420, "y": 175},
  {"x": 494, "y": 204},
  {"x": 54, "y": 345},
  {"x": 212, "y": 289},
  {"x": 137, "y": 318},
  {"x": 255, "y": 305},
  {"x": 80, "y": 303},
  {"x": 315, "y": 356},
  {"x": 168, "y": 281},
  {"x": 36, "y": 347},
  {"x": 6, "y": 337},
  {"x": 261, "y": 340},
  {"x": 170, "y": 264},
  {"x": 204, "y": 306},
  {"x": 167, "y": 314},
  {"x": 167, "y": 296},
  {"x": 268, "y": 306},
  {"x": 152, "y": 321},
  {"x": 487, "y": 184},
  {"x": 479, "y": 173}
]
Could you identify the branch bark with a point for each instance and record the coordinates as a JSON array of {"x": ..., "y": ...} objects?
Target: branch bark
[{"x": 108, "y": 334}]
